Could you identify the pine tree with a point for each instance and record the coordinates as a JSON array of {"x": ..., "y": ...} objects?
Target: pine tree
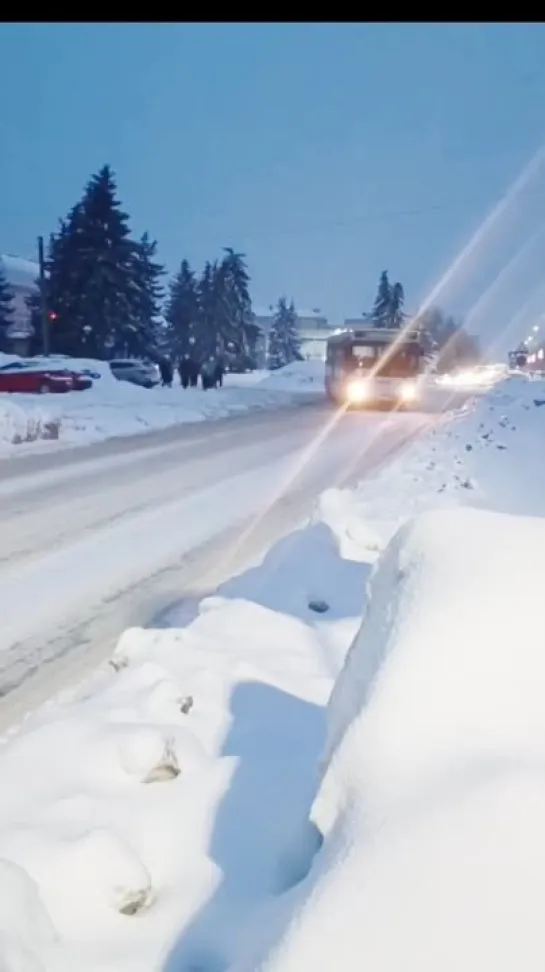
[
  {"x": 142, "y": 335},
  {"x": 209, "y": 312},
  {"x": 397, "y": 299},
  {"x": 182, "y": 312},
  {"x": 284, "y": 340},
  {"x": 381, "y": 314},
  {"x": 106, "y": 259},
  {"x": 238, "y": 330},
  {"x": 95, "y": 285},
  {"x": 6, "y": 311}
]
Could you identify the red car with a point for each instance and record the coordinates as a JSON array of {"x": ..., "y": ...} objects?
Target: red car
[
  {"x": 80, "y": 382},
  {"x": 16, "y": 378}
]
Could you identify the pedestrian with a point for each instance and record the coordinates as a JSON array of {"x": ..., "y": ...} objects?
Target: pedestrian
[
  {"x": 218, "y": 373},
  {"x": 185, "y": 371},
  {"x": 208, "y": 373},
  {"x": 167, "y": 373},
  {"x": 194, "y": 372}
]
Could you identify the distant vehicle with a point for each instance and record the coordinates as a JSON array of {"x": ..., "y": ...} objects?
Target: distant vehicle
[
  {"x": 18, "y": 379},
  {"x": 136, "y": 372},
  {"x": 373, "y": 367}
]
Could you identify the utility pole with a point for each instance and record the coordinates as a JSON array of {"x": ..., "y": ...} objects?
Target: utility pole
[{"x": 43, "y": 298}]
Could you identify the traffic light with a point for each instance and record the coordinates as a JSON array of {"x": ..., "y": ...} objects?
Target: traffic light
[{"x": 52, "y": 315}]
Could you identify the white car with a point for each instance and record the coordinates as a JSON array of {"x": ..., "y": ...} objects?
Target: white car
[{"x": 136, "y": 372}]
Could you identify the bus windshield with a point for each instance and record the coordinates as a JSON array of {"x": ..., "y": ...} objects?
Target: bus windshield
[{"x": 401, "y": 363}]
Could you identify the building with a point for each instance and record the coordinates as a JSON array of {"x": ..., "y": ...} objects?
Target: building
[
  {"x": 21, "y": 276},
  {"x": 313, "y": 328},
  {"x": 356, "y": 324}
]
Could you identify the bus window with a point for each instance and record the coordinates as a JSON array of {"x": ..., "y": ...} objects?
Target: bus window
[{"x": 365, "y": 351}]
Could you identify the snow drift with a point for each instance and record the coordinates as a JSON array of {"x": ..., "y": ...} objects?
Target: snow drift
[
  {"x": 19, "y": 425},
  {"x": 433, "y": 796}
]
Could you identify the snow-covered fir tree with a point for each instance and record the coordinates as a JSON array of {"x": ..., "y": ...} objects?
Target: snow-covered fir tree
[
  {"x": 144, "y": 330},
  {"x": 387, "y": 310},
  {"x": 397, "y": 299},
  {"x": 284, "y": 345},
  {"x": 238, "y": 330},
  {"x": 102, "y": 286},
  {"x": 182, "y": 312},
  {"x": 380, "y": 314}
]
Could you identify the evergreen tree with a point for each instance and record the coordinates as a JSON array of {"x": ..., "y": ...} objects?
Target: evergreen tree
[
  {"x": 99, "y": 281},
  {"x": 237, "y": 328},
  {"x": 182, "y": 312},
  {"x": 388, "y": 307},
  {"x": 6, "y": 311},
  {"x": 381, "y": 313},
  {"x": 397, "y": 299},
  {"x": 284, "y": 340},
  {"x": 106, "y": 260},
  {"x": 210, "y": 310},
  {"x": 142, "y": 332}
]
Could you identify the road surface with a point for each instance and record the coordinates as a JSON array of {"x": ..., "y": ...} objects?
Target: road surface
[{"x": 94, "y": 541}]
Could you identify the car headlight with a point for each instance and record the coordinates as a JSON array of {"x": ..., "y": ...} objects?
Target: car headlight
[
  {"x": 357, "y": 391},
  {"x": 409, "y": 391}
]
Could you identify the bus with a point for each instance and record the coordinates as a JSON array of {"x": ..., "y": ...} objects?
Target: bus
[{"x": 375, "y": 366}]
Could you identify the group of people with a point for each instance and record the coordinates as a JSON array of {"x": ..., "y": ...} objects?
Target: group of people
[{"x": 210, "y": 372}]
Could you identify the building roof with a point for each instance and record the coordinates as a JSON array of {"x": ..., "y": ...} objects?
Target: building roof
[{"x": 19, "y": 272}]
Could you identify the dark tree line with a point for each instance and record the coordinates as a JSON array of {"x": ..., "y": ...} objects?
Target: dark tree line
[
  {"x": 105, "y": 295},
  {"x": 211, "y": 314}
]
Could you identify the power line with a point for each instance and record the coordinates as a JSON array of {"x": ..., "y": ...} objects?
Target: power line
[{"x": 368, "y": 217}]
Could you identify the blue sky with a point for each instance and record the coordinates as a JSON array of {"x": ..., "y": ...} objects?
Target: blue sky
[{"x": 324, "y": 152}]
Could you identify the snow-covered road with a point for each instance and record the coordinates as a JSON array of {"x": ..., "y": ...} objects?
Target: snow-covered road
[{"x": 175, "y": 516}]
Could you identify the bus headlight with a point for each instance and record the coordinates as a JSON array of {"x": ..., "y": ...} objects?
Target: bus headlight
[
  {"x": 409, "y": 391},
  {"x": 357, "y": 391}
]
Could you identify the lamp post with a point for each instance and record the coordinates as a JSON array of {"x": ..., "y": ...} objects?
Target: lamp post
[{"x": 43, "y": 297}]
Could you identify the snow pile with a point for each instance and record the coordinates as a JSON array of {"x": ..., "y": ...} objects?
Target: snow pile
[
  {"x": 163, "y": 802},
  {"x": 23, "y": 425},
  {"x": 433, "y": 797},
  {"x": 27, "y": 937},
  {"x": 303, "y": 375},
  {"x": 117, "y": 408}
]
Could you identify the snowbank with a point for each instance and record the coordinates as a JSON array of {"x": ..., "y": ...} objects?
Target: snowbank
[
  {"x": 171, "y": 787},
  {"x": 304, "y": 375},
  {"x": 431, "y": 799},
  {"x": 487, "y": 456},
  {"x": 433, "y": 796},
  {"x": 116, "y": 408},
  {"x": 171, "y": 812},
  {"x": 20, "y": 425}
]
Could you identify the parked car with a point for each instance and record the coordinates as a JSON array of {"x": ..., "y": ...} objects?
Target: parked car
[
  {"x": 136, "y": 372},
  {"x": 34, "y": 381},
  {"x": 80, "y": 381}
]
